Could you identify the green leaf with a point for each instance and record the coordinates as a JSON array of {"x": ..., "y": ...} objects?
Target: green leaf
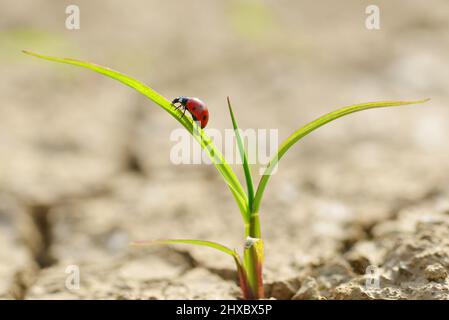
[
  {"x": 308, "y": 128},
  {"x": 206, "y": 143},
  {"x": 244, "y": 157},
  {"x": 210, "y": 244},
  {"x": 243, "y": 280}
]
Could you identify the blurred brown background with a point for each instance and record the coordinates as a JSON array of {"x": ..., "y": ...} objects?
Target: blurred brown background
[{"x": 85, "y": 168}]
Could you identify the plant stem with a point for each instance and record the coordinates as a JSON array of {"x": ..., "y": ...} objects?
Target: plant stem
[
  {"x": 254, "y": 226},
  {"x": 258, "y": 254},
  {"x": 253, "y": 257}
]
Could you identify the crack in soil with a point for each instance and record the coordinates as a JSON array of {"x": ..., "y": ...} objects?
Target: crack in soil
[
  {"x": 192, "y": 263},
  {"x": 366, "y": 228},
  {"x": 38, "y": 241},
  {"x": 403, "y": 204},
  {"x": 22, "y": 281},
  {"x": 42, "y": 222}
]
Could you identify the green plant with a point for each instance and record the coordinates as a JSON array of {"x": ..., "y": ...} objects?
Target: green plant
[{"x": 250, "y": 268}]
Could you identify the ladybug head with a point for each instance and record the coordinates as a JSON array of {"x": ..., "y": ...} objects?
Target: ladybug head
[{"x": 182, "y": 100}]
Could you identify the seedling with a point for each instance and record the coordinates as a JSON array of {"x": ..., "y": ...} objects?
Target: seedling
[{"x": 249, "y": 268}]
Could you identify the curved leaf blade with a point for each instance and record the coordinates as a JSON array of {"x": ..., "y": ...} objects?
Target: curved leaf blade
[
  {"x": 206, "y": 143},
  {"x": 243, "y": 156},
  {"x": 243, "y": 278},
  {"x": 311, "y": 126},
  {"x": 203, "y": 243}
]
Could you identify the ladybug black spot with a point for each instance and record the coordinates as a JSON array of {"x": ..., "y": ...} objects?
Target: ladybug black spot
[{"x": 204, "y": 117}]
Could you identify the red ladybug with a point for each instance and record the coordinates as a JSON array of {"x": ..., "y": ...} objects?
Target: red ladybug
[{"x": 195, "y": 106}]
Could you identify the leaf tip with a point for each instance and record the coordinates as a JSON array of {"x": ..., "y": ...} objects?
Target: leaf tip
[
  {"x": 139, "y": 243},
  {"x": 31, "y": 53},
  {"x": 420, "y": 101}
]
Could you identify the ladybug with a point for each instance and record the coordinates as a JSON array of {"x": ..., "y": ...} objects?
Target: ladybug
[{"x": 195, "y": 106}]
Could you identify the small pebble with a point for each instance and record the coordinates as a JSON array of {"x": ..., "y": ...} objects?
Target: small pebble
[{"x": 435, "y": 272}]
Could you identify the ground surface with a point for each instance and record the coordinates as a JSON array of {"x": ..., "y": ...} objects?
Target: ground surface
[{"x": 85, "y": 168}]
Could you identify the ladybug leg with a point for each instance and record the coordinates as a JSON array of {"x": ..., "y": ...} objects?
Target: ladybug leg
[
  {"x": 184, "y": 109},
  {"x": 180, "y": 106},
  {"x": 183, "y": 114}
]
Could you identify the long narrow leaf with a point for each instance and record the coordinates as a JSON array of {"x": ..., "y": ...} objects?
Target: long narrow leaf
[
  {"x": 243, "y": 280},
  {"x": 204, "y": 243},
  {"x": 308, "y": 128},
  {"x": 206, "y": 143},
  {"x": 244, "y": 157}
]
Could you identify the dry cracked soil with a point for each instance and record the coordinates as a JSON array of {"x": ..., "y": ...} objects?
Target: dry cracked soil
[{"x": 358, "y": 210}]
